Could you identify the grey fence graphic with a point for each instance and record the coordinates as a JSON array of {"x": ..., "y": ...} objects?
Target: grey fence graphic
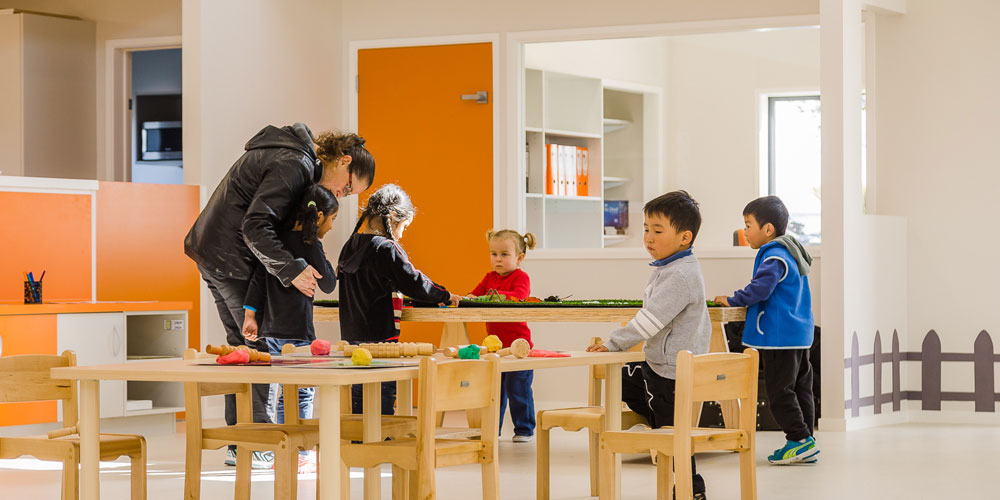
[{"x": 930, "y": 358}]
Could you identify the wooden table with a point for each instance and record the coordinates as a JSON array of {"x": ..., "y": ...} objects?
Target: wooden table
[{"x": 329, "y": 383}]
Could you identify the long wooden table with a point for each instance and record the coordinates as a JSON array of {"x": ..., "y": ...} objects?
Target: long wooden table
[{"x": 329, "y": 383}]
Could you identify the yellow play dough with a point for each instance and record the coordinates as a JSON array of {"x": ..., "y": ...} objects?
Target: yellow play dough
[
  {"x": 492, "y": 343},
  {"x": 361, "y": 357}
]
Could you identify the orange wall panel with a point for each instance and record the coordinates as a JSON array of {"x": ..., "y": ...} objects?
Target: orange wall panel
[
  {"x": 140, "y": 245},
  {"x": 439, "y": 149},
  {"x": 28, "y": 334},
  {"x": 45, "y": 232}
]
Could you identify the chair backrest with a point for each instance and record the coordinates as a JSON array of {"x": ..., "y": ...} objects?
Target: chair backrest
[
  {"x": 26, "y": 377},
  {"x": 465, "y": 384},
  {"x": 194, "y": 391},
  {"x": 716, "y": 377}
]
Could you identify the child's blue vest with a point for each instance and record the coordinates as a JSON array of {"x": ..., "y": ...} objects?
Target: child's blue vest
[{"x": 784, "y": 320}]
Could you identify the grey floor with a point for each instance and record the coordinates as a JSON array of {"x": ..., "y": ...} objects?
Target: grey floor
[{"x": 905, "y": 461}]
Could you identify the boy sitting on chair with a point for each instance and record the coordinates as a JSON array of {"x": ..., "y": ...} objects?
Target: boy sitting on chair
[
  {"x": 780, "y": 325},
  {"x": 674, "y": 316}
]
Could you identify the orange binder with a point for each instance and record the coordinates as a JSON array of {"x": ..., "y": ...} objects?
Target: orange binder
[
  {"x": 582, "y": 172},
  {"x": 551, "y": 168}
]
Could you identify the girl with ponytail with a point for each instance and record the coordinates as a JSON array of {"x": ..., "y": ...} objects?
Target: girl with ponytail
[
  {"x": 373, "y": 271},
  {"x": 285, "y": 315},
  {"x": 507, "y": 249}
]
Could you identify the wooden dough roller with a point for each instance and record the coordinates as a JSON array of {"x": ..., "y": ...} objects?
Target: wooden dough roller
[
  {"x": 520, "y": 349},
  {"x": 222, "y": 350},
  {"x": 389, "y": 349}
]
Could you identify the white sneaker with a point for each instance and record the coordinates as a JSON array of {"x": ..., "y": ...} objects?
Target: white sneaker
[
  {"x": 522, "y": 439},
  {"x": 640, "y": 427}
]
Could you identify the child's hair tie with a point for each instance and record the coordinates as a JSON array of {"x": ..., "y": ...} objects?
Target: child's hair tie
[{"x": 311, "y": 204}]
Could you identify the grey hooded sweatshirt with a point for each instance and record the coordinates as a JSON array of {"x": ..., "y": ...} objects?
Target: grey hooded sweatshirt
[{"x": 673, "y": 318}]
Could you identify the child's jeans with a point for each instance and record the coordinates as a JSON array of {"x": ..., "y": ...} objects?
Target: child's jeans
[
  {"x": 305, "y": 393},
  {"x": 652, "y": 396},
  {"x": 516, "y": 386}
]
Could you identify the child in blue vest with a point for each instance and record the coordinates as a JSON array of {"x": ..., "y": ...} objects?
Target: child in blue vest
[{"x": 780, "y": 325}]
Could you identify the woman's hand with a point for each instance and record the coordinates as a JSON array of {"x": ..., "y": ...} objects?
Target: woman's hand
[
  {"x": 306, "y": 281},
  {"x": 250, "y": 326},
  {"x": 597, "y": 348},
  {"x": 722, "y": 299}
]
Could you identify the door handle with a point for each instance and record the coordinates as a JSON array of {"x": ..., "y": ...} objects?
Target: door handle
[{"x": 481, "y": 97}]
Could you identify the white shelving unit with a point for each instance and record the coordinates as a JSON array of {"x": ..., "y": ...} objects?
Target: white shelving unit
[{"x": 585, "y": 112}]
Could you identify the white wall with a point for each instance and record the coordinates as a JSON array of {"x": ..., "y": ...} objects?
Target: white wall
[
  {"x": 713, "y": 114},
  {"x": 937, "y": 69},
  {"x": 633, "y": 60}
]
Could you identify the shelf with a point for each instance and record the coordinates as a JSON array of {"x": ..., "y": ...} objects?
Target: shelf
[
  {"x": 614, "y": 125},
  {"x": 156, "y": 410},
  {"x": 613, "y": 182},
  {"x": 534, "y": 195},
  {"x": 572, "y": 198},
  {"x": 568, "y": 133},
  {"x": 533, "y": 129}
]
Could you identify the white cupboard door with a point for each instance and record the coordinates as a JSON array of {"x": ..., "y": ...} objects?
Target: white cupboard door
[{"x": 97, "y": 339}]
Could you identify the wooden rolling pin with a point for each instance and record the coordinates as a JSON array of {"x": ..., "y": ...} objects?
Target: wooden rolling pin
[
  {"x": 222, "y": 350},
  {"x": 520, "y": 349},
  {"x": 66, "y": 431},
  {"x": 390, "y": 349}
]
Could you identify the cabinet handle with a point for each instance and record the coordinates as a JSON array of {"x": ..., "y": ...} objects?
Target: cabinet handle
[{"x": 481, "y": 97}]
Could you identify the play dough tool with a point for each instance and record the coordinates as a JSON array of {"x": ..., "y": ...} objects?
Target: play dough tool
[
  {"x": 390, "y": 349},
  {"x": 223, "y": 350}
]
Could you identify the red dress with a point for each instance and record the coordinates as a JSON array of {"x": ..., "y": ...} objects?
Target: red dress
[{"x": 515, "y": 284}]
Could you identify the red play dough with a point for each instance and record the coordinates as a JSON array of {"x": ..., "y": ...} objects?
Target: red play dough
[
  {"x": 542, "y": 353},
  {"x": 320, "y": 347},
  {"x": 236, "y": 357}
]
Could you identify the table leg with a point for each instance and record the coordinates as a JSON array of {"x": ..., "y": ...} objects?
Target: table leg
[
  {"x": 718, "y": 343},
  {"x": 329, "y": 442},
  {"x": 372, "y": 433},
  {"x": 90, "y": 440},
  {"x": 404, "y": 407},
  {"x": 609, "y": 485},
  {"x": 454, "y": 334}
]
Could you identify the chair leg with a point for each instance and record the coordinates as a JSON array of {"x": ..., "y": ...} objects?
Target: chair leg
[
  {"x": 426, "y": 488},
  {"x": 748, "y": 475},
  {"x": 286, "y": 465},
  {"x": 192, "y": 473},
  {"x": 71, "y": 477},
  {"x": 682, "y": 475},
  {"x": 242, "y": 473},
  {"x": 595, "y": 470},
  {"x": 345, "y": 480},
  {"x": 138, "y": 472},
  {"x": 414, "y": 481},
  {"x": 542, "y": 464},
  {"x": 664, "y": 477},
  {"x": 400, "y": 482},
  {"x": 491, "y": 480}
]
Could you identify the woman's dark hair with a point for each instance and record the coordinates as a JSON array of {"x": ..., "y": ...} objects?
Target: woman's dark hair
[
  {"x": 389, "y": 204},
  {"x": 679, "y": 208},
  {"x": 316, "y": 199},
  {"x": 769, "y": 210},
  {"x": 331, "y": 146}
]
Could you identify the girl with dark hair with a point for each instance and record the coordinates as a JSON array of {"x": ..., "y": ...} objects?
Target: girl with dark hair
[
  {"x": 373, "y": 270},
  {"x": 286, "y": 315}
]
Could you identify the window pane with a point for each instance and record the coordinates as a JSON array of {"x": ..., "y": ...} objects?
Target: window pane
[{"x": 796, "y": 146}]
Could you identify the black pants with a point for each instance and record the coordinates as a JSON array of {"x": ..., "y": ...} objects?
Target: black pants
[
  {"x": 388, "y": 398},
  {"x": 652, "y": 396},
  {"x": 788, "y": 379},
  {"x": 229, "y": 296}
]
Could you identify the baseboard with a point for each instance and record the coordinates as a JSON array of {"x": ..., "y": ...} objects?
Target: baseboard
[
  {"x": 832, "y": 424},
  {"x": 954, "y": 417}
]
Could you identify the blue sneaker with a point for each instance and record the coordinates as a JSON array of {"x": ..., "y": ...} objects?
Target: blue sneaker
[{"x": 795, "y": 452}]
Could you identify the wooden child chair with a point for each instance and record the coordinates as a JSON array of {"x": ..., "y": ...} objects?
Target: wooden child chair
[
  {"x": 707, "y": 377},
  {"x": 27, "y": 378},
  {"x": 444, "y": 386},
  {"x": 284, "y": 440},
  {"x": 590, "y": 417}
]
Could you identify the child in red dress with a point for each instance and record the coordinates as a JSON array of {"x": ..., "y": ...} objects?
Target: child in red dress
[{"x": 507, "y": 250}]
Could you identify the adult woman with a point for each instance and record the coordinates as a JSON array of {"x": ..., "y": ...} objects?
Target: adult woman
[{"x": 237, "y": 230}]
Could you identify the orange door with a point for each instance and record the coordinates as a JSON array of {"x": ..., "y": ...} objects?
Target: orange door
[
  {"x": 439, "y": 148},
  {"x": 28, "y": 334}
]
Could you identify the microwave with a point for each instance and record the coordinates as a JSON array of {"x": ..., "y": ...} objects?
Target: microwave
[{"x": 160, "y": 141}]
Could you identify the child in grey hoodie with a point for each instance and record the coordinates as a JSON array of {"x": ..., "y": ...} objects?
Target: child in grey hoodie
[{"x": 674, "y": 316}]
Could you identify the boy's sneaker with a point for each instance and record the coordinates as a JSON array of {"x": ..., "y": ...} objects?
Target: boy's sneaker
[
  {"x": 307, "y": 463},
  {"x": 230, "y": 457},
  {"x": 262, "y": 460},
  {"x": 520, "y": 438},
  {"x": 795, "y": 452},
  {"x": 696, "y": 496}
]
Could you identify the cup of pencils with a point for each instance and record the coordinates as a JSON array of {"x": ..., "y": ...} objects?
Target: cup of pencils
[{"x": 33, "y": 288}]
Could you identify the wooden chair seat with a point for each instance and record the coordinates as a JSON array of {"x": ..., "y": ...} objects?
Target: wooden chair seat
[
  {"x": 400, "y": 452},
  {"x": 707, "y": 377},
  {"x": 584, "y": 417},
  {"x": 305, "y": 436},
  {"x": 28, "y": 378}
]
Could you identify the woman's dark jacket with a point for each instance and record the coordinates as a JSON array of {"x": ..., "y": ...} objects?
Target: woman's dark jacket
[{"x": 238, "y": 227}]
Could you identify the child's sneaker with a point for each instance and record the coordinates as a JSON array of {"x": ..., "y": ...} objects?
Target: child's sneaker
[
  {"x": 262, "y": 460},
  {"x": 230, "y": 457},
  {"x": 795, "y": 452},
  {"x": 520, "y": 438},
  {"x": 307, "y": 463}
]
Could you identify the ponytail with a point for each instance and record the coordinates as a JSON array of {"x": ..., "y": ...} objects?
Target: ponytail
[
  {"x": 331, "y": 146},
  {"x": 390, "y": 204}
]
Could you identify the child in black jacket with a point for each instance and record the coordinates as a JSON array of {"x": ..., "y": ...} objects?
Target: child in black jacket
[{"x": 371, "y": 269}]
